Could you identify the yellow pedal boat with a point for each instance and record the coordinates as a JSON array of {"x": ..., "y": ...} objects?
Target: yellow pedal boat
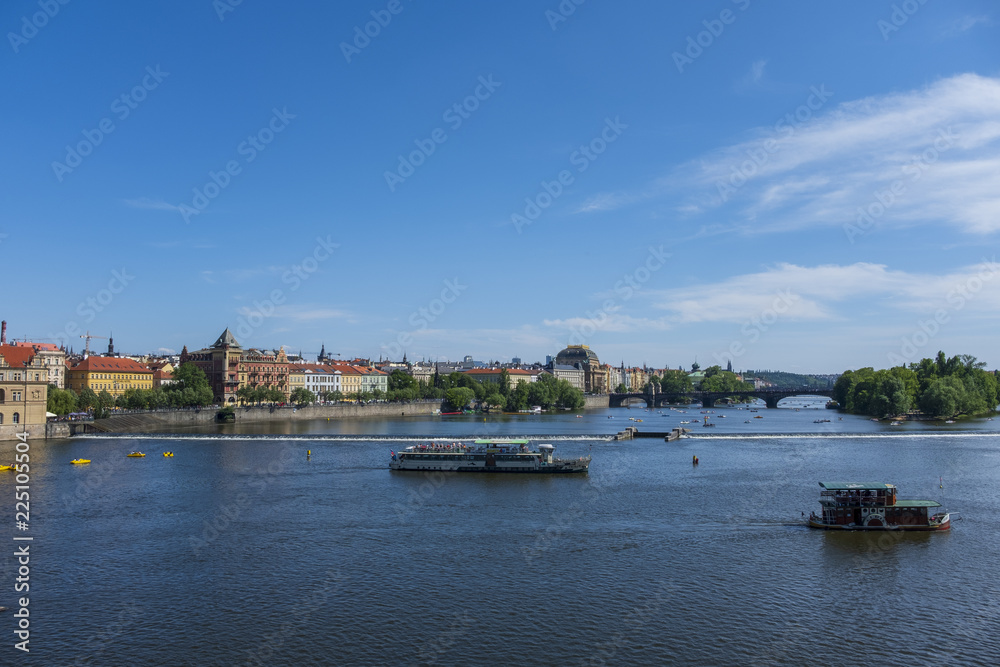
[
  {"x": 168, "y": 453},
  {"x": 136, "y": 454},
  {"x": 80, "y": 461},
  {"x": 8, "y": 467}
]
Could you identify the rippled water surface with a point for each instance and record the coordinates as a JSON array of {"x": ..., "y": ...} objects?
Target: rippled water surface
[{"x": 241, "y": 550}]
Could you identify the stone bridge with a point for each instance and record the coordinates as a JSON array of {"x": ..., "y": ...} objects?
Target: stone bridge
[{"x": 708, "y": 398}]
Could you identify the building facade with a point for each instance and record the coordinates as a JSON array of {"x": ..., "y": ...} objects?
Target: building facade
[
  {"x": 266, "y": 368},
  {"x": 320, "y": 379},
  {"x": 221, "y": 365},
  {"x": 53, "y": 358},
  {"x": 581, "y": 356},
  {"x": 493, "y": 375},
  {"x": 23, "y": 391},
  {"x": 114, "y": 375}
]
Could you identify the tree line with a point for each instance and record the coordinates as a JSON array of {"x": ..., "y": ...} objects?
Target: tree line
[
  {"x": 942, "y": 387},
  {"x": 679, "y": 382}
]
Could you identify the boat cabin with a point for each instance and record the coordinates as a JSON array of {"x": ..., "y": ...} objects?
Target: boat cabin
[{"x": 871, "y": 505}]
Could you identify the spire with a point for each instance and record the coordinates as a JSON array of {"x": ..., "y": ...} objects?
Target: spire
[
  {"x": 322, "y": 353},
  {"x": 111, "y": 345},
  {"x": 227, "y": 339}
]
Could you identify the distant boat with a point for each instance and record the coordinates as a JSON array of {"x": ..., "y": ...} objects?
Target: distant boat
[
  {"x": 135, "y": 455},
  {"x": 79, "y": 461}
]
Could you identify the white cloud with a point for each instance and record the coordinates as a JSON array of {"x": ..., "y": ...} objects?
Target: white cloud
[
  {"x": 938, "y": 146},
  {"x": 755, "y": 75},
  {"x": 960, "y": 25},
  {"x": 153, "y": 204},
  {"x": 799, "y": 293}
]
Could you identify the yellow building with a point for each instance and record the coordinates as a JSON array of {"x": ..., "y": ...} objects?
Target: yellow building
[
  {"x": 351, "y": 379},
  {"x": 23, "y": 392},
  {"x": 296, "y": 377},
  {"x": 114, "y": 375}
]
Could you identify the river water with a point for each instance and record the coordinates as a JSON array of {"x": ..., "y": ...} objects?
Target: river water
[{"x": 242, "y": 550}]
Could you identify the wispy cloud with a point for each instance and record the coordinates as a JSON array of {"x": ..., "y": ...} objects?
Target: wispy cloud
[
  {"x": 964, "y": 23},
  {"x": 302, "y": 313},
  {"x": 151, "y": 204},
  {"x": 828, "y": 292},
  {"x": 753, "y": 77},
  {"x": 938, "y": 145}
]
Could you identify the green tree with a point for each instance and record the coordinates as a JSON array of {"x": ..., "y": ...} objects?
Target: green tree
[
  {"x": 725, "y": 381},
  {"x": 190, "y": 387},
  {"x": 621, "y": 389},
  {"x": 458, "y": 398},
  {"x": 302, "y": 397},
  {"x": 398, "y": 380},
  {"x": 676, "y": 382},
  {"x": 504, "y": 382},
  {"x": 60, "y": 401},
  {"x": 87, "y": 399},
  {"x": 495, "y": 401}
]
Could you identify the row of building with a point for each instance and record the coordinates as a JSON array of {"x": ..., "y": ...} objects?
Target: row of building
[{"x": 27, "y": 368}]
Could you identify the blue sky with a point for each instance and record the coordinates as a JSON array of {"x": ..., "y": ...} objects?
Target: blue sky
[{"x": 787, "y": 185}]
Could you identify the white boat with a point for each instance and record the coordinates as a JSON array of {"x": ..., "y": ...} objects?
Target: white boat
[{"x": 485, "y": 456}]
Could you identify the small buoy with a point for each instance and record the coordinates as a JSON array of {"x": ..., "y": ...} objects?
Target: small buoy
[{"x": 309, "y": 453}]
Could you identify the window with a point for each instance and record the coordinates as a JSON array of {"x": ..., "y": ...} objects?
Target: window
[
  {"x": 15, "y": 396},
  {"x": 17, "y": 417}
]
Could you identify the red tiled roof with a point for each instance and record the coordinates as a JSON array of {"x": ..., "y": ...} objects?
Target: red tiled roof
[
  {"x": 48, "y": 347},
  {"x": 16, "y": 355},
  {"x": 110, "y": 365},
  {"x": 315, "y": 368}
]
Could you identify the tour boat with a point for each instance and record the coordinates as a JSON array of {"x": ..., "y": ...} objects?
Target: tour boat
[
  {"x": 135, "y": 454},
  {"x": 874, "y": 506},
  {"x": 485, "y": 456},
  {"x": 79, "y": 461}
]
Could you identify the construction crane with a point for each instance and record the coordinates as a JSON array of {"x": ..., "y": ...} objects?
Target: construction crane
[{"x": 88, "y": 337}]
